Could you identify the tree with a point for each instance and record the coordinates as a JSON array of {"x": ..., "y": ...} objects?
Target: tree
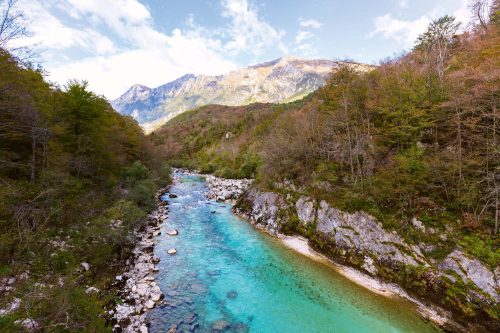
[
  {"x": 481, "y": 11},
  {"x": 436, "y": 42},
  {"x": 14, "y": 26}
]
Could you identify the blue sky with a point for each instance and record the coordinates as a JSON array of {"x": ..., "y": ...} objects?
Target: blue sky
[{"x": 116, "y": 43}]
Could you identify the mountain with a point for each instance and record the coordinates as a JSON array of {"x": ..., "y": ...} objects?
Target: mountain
[{"x": 282, "y": 80}]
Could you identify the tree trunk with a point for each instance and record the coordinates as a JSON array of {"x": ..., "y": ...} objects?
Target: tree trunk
[{"x": 33, "y": 154}]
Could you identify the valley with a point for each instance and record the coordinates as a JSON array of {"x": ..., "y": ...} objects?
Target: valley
[{"x": 294, "y": 195}]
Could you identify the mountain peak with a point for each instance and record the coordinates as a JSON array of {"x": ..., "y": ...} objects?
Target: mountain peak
[{"x": 278, "y": 81}]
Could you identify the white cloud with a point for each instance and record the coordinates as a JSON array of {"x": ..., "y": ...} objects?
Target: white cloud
[
  {"x": 313, "y": 24},
  {"x": 304, "y": 36},
  {"x": 140, "y": 53},
  {"x": 403, "y": 3},
  {"x": 403, "y": 31},
  {"x": 52, "y": 33},
  {"x": 114, "y": 44},
  {"x": 248, "y": 32}
]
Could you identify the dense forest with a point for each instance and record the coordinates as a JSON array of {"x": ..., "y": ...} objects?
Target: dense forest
[
  {"x": 416, "y": 137},
  {"x": 70, "y": 168}
]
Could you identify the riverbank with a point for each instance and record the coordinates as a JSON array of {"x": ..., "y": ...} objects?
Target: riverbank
[
  {"x": 300, "y": 244},
  {"x": 139, "y": 291}
]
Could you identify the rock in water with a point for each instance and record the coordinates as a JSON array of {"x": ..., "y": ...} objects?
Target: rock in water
[
  {"x": 220, "y": 325},
  {"x": 171, "y": 195},
  {"x": 232, "y": 294},
  {"x": 172, "y": 251},
  {"x": 173, "y": 232}
]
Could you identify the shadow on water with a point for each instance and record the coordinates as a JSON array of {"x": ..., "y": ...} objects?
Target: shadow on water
[{"x": 228, "y": 277}]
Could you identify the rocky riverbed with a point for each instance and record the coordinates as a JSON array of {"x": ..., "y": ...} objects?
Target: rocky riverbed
[
  {"x": 357, "y": 237},
  {"x": 140, "y": 292}
]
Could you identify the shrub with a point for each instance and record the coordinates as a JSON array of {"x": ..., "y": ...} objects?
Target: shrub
[
  {"x": 165, "y": 175},
  {"x": 143, "y": 194},
  {"x": 135, "y": 173}
]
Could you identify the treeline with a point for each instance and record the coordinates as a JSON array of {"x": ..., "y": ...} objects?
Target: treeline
[
  {"x": 416, "y": 137},
  {"x": 75, "y": 179},
  {"x": 218, "y": 139}
]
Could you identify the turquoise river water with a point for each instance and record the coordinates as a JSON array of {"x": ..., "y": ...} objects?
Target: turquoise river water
[{"x": 228, "y": 276}]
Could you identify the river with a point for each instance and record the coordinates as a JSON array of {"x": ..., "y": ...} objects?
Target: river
[{"x": 228, "y": 276}]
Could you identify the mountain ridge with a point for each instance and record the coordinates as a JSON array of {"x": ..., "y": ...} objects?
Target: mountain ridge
[{"x": 281, "y": 80}]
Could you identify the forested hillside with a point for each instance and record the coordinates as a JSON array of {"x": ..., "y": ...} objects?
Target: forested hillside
[
  {"x": 75, "y": 181},
  {"x": 416, "y": 137}
]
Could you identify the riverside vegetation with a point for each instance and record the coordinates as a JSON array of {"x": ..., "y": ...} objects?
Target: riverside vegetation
[
  {"x": 76, "y": 178},
  {"x": 414, "y": 143}
]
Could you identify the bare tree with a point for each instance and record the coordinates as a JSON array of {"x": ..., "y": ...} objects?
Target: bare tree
[
  {"x": 481, "y": 10},
  {"x": 14, "y": 26},
  {"x": 13, "y": 23}
]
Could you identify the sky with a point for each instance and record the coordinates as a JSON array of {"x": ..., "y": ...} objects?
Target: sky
[{"x": 114, "y": 44}]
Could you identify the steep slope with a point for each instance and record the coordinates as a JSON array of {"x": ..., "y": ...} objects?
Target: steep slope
[
  {"x": 395, "y": 171},
  {"x": 281, "y": 80}
]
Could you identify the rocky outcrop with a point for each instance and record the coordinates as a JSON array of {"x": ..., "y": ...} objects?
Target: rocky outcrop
[
  {"x": 305, "y": 210},
  {"x": 358, "y": 232},
  {"x": 362, "y": 232},
  {"x": 262, "y": 209},
  {"x": 471, "y": 269},
  {"x": 359, "y": 240},
  {"x": 222, "y": 189}
]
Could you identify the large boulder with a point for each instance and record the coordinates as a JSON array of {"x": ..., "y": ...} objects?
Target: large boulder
[
  {"x": 305, "y": 210},
  {"x": 361, "y": 232},
  {"x": 471, "y": 269},
  {"x": 263, "y": 208}
]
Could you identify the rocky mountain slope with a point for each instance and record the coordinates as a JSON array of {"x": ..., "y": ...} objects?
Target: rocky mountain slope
[{"x": 282, "y": 80}]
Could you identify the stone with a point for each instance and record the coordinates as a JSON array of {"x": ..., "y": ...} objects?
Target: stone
[
  {"x": 172, "y": 251},
  {"x": 29, "y": 324},
  {"x": 91, "y": 290},
  {"x": 472, "y": 269},
  {"x": 361, "y": 232},
  {"x": 173, "y": 232},
  {"x": 232, "y": 294},
  {"x": 417, "y": 224},
  {"x": 220, "y": 325},
  {"x": 143, "y": 329},
  {"x": 123, "y": 312},
  {"x": 369, "y": 265},
  {"x": 150, "y": 304},
  {"x": 85, "y": 266},
  {"x": 156, "y": 293},
  {"x": 172, "y": 196},
  {"x": 11, "y": 307},
  {"x": 190, "y": 318},
  {"x": 305, "y": 210}
]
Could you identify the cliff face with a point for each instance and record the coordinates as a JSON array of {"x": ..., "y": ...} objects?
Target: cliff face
[
  {"x": 459, "y": 283},
  {"x": 283, "y": 80}
]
